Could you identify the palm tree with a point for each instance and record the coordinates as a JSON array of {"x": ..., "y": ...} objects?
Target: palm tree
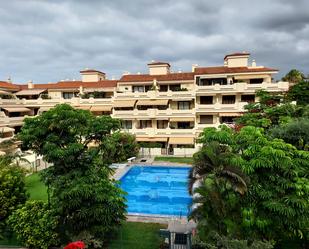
[
  {"x": 294, "y": 76},
  {"x": 215, "y": 158},
  {"x": 217, "y": 186}
]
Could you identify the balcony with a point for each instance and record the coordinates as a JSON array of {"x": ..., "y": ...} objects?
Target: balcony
[
  {"x": 218, "y": 107},
  {"x": 12, "y": 121},
  {"x": 152, "y": 113},
  {"x": 156, "y": 95},
  {"x": 242, "y": 87}
]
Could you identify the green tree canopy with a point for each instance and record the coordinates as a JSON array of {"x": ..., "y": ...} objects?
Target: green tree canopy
[
  {"x": 299, "y": 93},
  {"x": 294, "y": 76},
  {"x": 84, "y": 197},
  {"x": 276, "y": 203}
]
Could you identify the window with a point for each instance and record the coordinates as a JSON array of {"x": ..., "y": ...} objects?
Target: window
[
  {"x": 183, "y": 105},
  {"x": 211, "y": 82},
  {"x": 68, "y": 95},
  {"x": 206, "y": 100},
  {"x": 145, "y": 124},
  {"x": 227, "y": 120},
  {"x": 138, "y": 88},
  {"x": 247, "y": 98},
  {"x": 162, "y": 124},
  {"x": 206, "y": 119},
  {"x": 183, "y": 125},
  {"x": 126, "y": 124},
  {"x": 163, "y": 88},
  {"x": 256, "y": 81},
  {"x": 176, "y": 87},
  {"x": 228, "y": 99}
]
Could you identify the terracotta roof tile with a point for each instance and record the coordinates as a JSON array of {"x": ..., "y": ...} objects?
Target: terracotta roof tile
[
  {"x": 74, "y": 84},
  {"x": 165, "y": 77},
  {"x": 228, "y": 70},
  {"x": 236, "y": 54},
  {"x": 8, "y": 85}
]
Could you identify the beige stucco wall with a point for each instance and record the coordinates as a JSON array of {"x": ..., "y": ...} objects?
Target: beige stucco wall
[
  {"x": 237, "y": 61},
  {"x": 92, "y": 77},
  {"x": 158, "y": 69},
  {"x": 124, "y": 88},
  {"x": 54, "y": 94}
]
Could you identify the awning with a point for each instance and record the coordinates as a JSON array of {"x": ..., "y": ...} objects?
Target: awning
[
  {"x": 6, "y": 129},
  {"x": 124, "y": 103},
  {"x": 30, "y": 92},
  {"x": 83, "y": 107},
  {"x": 151, "y": 139},
  {"x": 16, "y": 109},
  {"x": 229, "y": 114},
  {"x": 152, "y": 102},
  {"x": 183, "y": 119},
  {"x": 103, "y": 108},
  {"x": 5, "y": 92},
  {"x": 181, "y": 140}
]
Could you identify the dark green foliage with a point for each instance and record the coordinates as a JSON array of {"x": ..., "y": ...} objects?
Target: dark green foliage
[
  {"x": 222, "y": 242},
  {"x": 221, "y": 183},
  {"x": 295, "y": 132},
  {"x": 34, "y": 225},
  {"x": 299, "y": 93},
  {"x": 276, "y": 203},
  {"x": 12, "y": 189},
  {"x": 270, "y": 111},
  {"x": 294, "y": 76},
  {"x": 85, "y": 200},
  {"x": 120, "y": 146}
]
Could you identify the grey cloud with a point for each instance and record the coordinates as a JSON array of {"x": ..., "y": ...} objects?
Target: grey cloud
[{"x": 49, "y": 40}]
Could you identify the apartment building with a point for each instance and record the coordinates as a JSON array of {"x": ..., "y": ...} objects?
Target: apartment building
[{"x": 165, "y": 108}]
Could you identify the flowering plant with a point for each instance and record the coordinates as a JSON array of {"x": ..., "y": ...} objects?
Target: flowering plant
[{"x": 75, "y": 245}]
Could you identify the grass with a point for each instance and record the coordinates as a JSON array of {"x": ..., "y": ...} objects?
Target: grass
[
  {"x": 186, "y": 160},
  {"x": 36, "y": 188},
  {"x": 136, "y": 235}
]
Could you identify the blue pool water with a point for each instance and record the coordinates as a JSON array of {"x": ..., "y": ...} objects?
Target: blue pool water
[{"x": 157, "y": 190}]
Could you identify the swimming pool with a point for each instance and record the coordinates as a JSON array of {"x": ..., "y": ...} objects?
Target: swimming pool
[{"x": 157, "y": 190}]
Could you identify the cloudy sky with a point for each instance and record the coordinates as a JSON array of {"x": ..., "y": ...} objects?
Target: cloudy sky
[{"x": 50, "y": 40}]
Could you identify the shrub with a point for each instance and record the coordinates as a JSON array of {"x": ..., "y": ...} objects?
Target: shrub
[
  {"x": 12, "y": 189},
  {"x": 34, "y": 225}
]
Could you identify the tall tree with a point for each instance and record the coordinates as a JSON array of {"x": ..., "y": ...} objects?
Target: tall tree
[
  {"x": 276, "y": 203},
  {"x": 299, "y": 93},
  {"x": 86, "y": 201},
  {"x": 294, "y": 76}
]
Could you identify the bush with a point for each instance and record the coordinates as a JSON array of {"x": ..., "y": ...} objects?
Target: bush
[
  {"x": 34, "y": 225},
  {"x": 12, "y": 189}
]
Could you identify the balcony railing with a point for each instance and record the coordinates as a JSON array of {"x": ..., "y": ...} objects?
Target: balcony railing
[
  {"x": 243, "y": 87},
  {"x": 155, "y": 94}
]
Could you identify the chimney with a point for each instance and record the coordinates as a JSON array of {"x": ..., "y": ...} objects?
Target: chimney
[
  {"x": 253, "y": 63},
  {"x": 159, "y": 68},
  {"x": 193, "y": 67},
  {"x": 9, "y": 80},
  {"x": 30, "y": 84},
  {"x": 179, "y": 71},
  {"x": 126, "y": 73}
]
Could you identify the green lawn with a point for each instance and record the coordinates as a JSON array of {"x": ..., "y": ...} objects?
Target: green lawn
[
  {"x": 186, "y": 160},
  {"x": 36, "y": 188},
  {"x": 136, "y": 235}
]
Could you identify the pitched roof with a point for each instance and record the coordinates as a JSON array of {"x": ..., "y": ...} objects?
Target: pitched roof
[
  {"x": 236, "y": 54},
  {"x": 8, "y": 85},
  {"x": 162, "y": 77},
  {"x": 229, "y": 70},
  {"x": 74, "y": 84}
]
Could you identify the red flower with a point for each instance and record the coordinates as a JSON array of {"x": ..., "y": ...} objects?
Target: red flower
[{"x": 75, "y": 245}]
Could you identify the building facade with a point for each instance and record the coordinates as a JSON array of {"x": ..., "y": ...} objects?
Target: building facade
[{"x": 165, "y": 108}]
